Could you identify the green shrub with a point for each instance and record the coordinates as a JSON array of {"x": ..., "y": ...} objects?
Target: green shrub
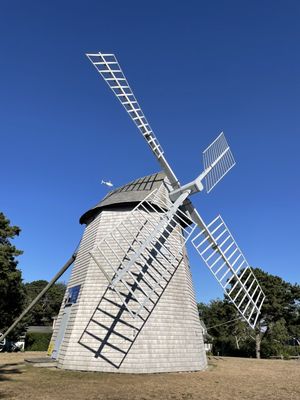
[
  {"x": 271, "y": 349},
  {"x": 290, "y": 351},
  {"x": 36, "y": 341}
]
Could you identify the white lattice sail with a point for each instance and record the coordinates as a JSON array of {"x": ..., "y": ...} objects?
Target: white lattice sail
[
  {"x": 110, "y": 70},
  {"x": 226, "y": 261},
  {"x": 217, "y": 160}
]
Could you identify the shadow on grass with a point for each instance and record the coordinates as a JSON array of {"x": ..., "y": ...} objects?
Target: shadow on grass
[
  {"x": 9, "y": 369},
  {"x": 5, "y": 395}
]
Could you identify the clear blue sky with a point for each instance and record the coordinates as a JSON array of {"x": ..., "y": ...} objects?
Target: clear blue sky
[{"x": 197, "y": 68}]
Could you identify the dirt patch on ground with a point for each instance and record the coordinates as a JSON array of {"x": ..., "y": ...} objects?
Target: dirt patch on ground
[{"x": 226, "y": 379}]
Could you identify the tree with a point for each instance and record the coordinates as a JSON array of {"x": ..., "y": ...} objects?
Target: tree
[
  {"x": 11, "y": 289},
  {"x": 281, "y": 304},
  {"x": 277, "y": 326},
  {"x": 231, "y": 335},
  {"x": 293, "y": 322},
  {"x": 275, "y": 339},
  {"x": 49, "y": 304}
]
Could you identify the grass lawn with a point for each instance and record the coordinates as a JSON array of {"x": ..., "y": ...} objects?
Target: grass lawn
[{"x": 226, "y": 379}]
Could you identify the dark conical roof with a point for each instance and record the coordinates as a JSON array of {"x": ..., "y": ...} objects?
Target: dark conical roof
[{"x": 131, "y": 193}]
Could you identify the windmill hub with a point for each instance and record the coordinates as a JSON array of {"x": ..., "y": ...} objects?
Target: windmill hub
[{"x": 192, "y": 187}]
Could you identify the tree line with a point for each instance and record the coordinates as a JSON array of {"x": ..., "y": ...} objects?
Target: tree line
[
  {"x": 277, "y": 331},
  {"x": 15, "y": 295}
]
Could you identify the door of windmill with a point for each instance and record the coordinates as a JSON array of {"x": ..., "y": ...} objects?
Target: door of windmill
[{"x": 71, "y": 299}]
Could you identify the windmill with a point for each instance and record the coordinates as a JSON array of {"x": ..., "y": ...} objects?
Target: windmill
[
  {"x": 134, "y": 244},
  {"x": 130, "y": 304}
]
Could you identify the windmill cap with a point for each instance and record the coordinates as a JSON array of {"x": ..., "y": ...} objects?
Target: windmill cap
[{"x": 130, "y": 194}]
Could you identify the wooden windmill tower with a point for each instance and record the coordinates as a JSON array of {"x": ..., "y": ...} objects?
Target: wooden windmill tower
[{"x": 130, "y": 305}]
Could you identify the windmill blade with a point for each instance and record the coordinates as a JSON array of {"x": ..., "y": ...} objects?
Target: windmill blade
[
  {"x": 110, "y": 70},
  {"x": 140, "y": 255},
  {"x": 217, "y": 160},
  {"x": 227, "y": 263}
]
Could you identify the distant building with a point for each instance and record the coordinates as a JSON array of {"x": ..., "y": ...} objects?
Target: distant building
[{"x": 208, "y": 340}]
